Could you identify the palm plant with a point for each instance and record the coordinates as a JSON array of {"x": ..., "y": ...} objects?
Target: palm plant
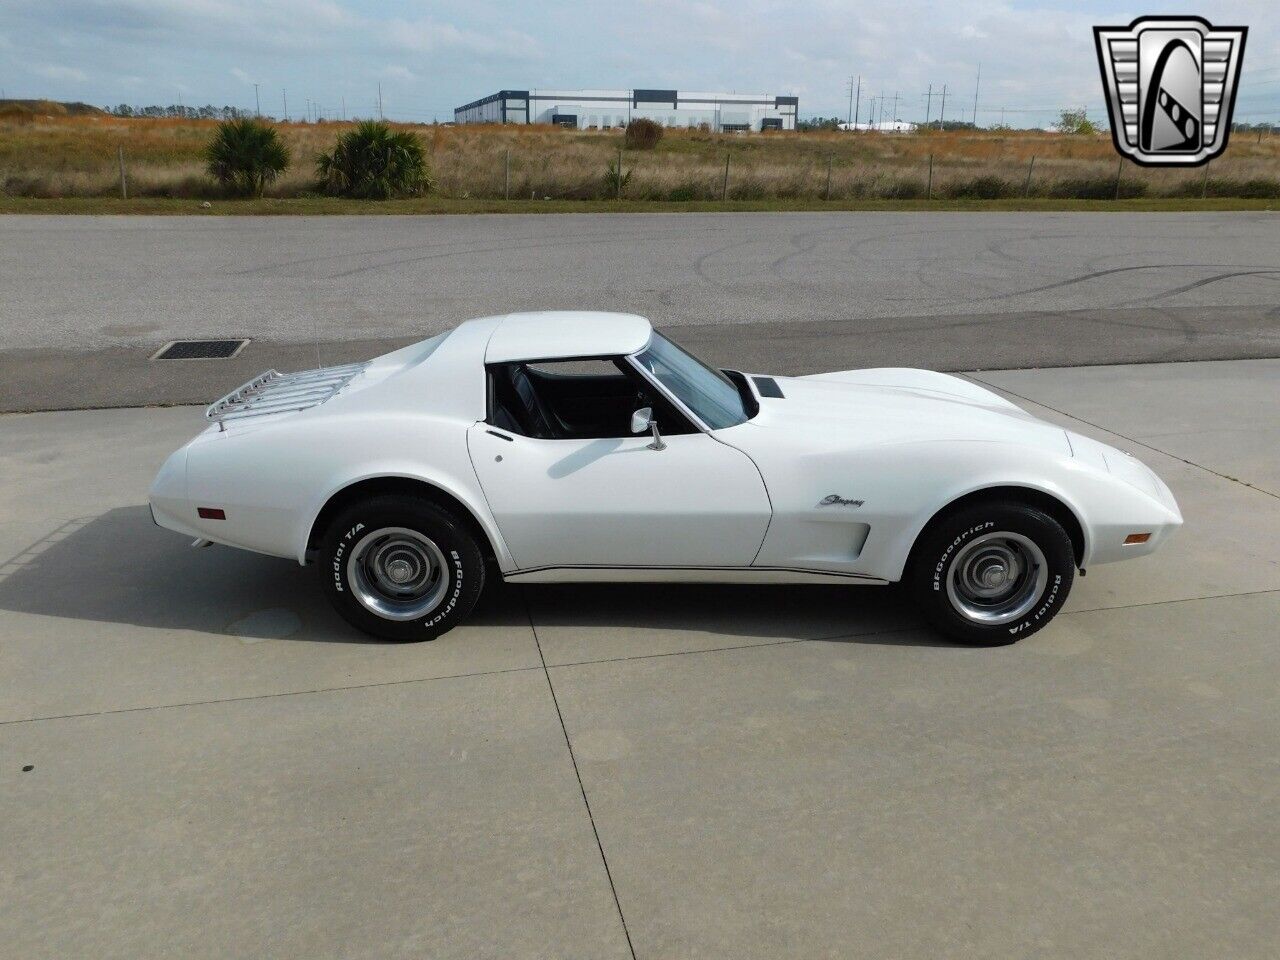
[
  {"x": 374, "y": 162},
  {"x": 245, "y": 155}
]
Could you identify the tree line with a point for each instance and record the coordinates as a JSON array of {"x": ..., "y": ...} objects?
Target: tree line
[{"x": 180, "y": 111}]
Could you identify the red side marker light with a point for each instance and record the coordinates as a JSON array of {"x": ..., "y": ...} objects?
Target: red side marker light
[
  {"x": 217, "y": 513},
  {"x": 1131, "y": 538}
]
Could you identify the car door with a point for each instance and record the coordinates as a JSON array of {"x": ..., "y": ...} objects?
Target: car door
[{"x": 614, "y": 502}]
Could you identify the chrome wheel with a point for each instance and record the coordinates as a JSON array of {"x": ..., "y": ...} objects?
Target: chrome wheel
[
  {"x": 398, "y": 573},
  {"x": 997, "y": 578}
]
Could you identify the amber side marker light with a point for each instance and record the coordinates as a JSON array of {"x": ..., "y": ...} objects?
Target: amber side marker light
[
  {"x": 216, "y": 513},
  {"x": 1137, "y": 538}
]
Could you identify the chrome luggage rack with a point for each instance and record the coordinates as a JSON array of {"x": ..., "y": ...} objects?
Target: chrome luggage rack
[{"x": 274, "y": 392}]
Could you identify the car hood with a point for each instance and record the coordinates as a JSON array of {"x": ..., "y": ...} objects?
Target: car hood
[{"x": 894, "y": 405}]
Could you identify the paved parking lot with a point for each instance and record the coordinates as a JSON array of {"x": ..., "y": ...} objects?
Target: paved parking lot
[
  {"x": 89, "y": 299},
  {"x": 221, "y": 768}
]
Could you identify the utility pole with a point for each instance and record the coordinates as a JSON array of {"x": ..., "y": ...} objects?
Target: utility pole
[
  {"x": 975, "y": 96},
  {"x": 308, "y": 115},
  {"x": 257, "y": 104},
  {"x": 857, "y": 103},
  {"x": 380, "y": 116},
  {"x": 943, "y": 112},
  {"x": 928, "y": 105},
  {"x": 285, "y": 95},
  {"x": 849, "y": 118},
  {"x": 344, "y": 108},
  {"x": 894, "y": 117}
]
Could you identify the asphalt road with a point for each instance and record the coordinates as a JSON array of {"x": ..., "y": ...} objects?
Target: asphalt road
[{"x": 88, "y": 299}]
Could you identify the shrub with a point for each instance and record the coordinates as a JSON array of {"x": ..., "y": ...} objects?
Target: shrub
[
  {"x": 245, "y": 155},
  {"x": 747, "y": 187},
  {"x": 374, "y": 162},
  {"x": 985, "y": 187},
  {"x": 643, "y": 134},
  {"x": 905, "y": 188},
  {"x": 1098, "y": 187},
  {"x": 1257, "y": 188},
  {"x": 616, "y": 179},
  {"x": 683, "y": 193},
  {"x": 1075, "y": 121}
]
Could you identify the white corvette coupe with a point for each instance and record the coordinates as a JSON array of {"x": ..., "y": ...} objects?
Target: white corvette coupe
[{"x": 586, "y": 446}]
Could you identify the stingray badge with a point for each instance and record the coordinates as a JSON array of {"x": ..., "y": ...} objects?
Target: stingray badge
[{"x": 1171, "y": 87}]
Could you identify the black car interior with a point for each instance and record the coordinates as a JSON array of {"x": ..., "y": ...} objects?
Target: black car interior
[{"x": 537, "y": 400}]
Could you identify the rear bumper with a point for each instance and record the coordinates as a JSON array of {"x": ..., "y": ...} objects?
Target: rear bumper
[{"x": 170, "y": 507}]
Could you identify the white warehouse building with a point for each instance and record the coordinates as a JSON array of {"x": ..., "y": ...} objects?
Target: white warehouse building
[{"x": 603, "y": 109}]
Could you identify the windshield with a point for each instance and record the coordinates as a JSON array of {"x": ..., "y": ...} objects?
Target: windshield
[{"x": 704, "y": 390}]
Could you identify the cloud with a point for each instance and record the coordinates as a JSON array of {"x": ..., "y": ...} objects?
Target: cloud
[
  {"x": 52, "y": 71},
  {"x": 399, "y": 73},
  {"x": 241, "y": 75},
  {"x": 429, "y": 36}
]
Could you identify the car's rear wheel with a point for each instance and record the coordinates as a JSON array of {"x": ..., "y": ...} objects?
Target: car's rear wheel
[
  {"x": 992, "y": 573},
  {"x": 400, "y": 568}
]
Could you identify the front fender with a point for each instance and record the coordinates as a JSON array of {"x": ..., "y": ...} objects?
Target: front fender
[
  {"x": 1106, "y": 507},
  {"x": 918, "y": 481}
]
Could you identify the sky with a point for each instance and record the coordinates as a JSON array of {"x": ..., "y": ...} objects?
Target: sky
[{"x": 428, "y": 57}]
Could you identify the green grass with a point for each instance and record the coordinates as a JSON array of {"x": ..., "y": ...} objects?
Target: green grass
[{"x": 311, "y": 206}]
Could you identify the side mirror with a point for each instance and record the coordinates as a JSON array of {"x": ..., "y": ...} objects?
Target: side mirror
[{"x": 641, "y": 421}]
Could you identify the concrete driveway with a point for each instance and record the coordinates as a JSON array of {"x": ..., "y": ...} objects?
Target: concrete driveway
[{"x": 219, "y": 767}]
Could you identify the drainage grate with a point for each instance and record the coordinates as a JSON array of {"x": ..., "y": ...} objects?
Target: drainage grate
[{"x": 199, "y": 350}]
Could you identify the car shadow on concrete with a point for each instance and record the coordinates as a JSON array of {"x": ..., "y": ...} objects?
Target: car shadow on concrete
[
  {"x": 835, "y": 612},
  {"x": 120, "y": 568}
]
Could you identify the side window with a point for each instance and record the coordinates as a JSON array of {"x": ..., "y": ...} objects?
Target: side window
[{"x": 574, "y": 399}]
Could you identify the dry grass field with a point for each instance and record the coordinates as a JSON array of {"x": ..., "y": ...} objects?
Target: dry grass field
[{"x": 76, "y": 157}]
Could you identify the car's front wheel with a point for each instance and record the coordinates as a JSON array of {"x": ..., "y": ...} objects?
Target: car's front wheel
[
  {"x": 992, "y": 573},
  {"x": 401, "y": 568}
]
